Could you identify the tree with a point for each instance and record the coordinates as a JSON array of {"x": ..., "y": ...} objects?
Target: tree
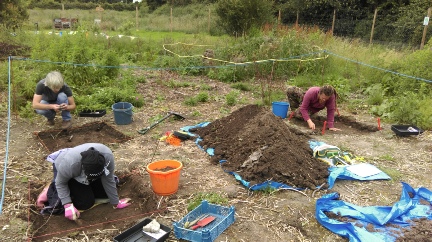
[
  {"x": 13, "y": 13},
  {"x": 239, "y": 16}
]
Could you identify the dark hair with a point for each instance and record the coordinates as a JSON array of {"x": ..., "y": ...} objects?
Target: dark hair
[
  {"x": 93, "y": 163},
  {"x": 329, "y": 91}
]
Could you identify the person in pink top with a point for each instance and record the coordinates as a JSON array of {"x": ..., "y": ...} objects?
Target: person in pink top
[{"x": 316, "y": 99}]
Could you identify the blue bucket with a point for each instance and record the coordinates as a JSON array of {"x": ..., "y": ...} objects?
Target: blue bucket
[
  {"x": 122, "y": 113},
  {"x": 280, "y": 109}
]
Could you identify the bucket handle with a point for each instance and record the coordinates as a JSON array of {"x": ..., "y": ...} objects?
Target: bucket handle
[{"x": 126, "y": 112}]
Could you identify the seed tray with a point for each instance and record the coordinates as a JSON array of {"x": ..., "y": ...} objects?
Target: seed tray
[
  {"x": 224, "y": 218},
  {"x": 406, "y": 130},
  {"x": 94, "y": 113},
  {"x": 137, "y": 234}
]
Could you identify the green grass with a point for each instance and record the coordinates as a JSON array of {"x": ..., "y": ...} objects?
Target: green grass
[
  {"x": 185, "y": 19},
  {"x": 211, "y": 197},
  {"x": 395, "y": 175}
]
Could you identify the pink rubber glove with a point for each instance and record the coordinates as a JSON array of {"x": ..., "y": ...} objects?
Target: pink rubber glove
[
  {"x": 123, "y": 203},
  {"x": 71, "y": 212}
]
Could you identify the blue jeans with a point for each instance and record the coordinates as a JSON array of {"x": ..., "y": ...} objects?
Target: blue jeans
[{"x": 50, "y": 113}]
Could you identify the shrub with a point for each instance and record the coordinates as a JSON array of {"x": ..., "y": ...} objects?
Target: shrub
[{"x": 231, "y": 98}]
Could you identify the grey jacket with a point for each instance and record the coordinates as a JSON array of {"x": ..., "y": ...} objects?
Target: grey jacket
[{"x": 68, "y": 165}]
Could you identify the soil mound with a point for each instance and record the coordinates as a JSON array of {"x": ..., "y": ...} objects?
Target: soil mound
[{"x": 260, "y": 147}]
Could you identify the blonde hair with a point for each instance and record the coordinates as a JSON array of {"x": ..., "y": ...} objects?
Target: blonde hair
[{"x": 54, "y": 80}]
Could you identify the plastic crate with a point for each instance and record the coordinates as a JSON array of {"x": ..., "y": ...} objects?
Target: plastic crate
[{"x": 224, "y": 218}]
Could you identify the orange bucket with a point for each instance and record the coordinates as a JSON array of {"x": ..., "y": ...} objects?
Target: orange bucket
[{"x": 165, "y": 183}]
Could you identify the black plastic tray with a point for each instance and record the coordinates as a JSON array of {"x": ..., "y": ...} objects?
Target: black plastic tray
[
  {"x": 136, "y": 233},
  {"x": 406, "y": 130},
  {"x": 94, "y": 113}
]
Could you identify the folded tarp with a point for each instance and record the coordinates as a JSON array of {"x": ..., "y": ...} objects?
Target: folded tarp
[
  {"x": 351, "y": 171},
  {"x": 344, "y": 173},
  {"x": 388, "y": 222}
]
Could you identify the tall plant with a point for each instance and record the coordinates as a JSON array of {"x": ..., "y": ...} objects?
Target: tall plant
[
  {"x": 13, "y": 13},
  {"x": 238, "y": 17}
]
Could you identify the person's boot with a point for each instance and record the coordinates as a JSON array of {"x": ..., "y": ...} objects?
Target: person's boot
[
  {"x": 66, "y": 124},
  {"x": 42, "y": 198}
]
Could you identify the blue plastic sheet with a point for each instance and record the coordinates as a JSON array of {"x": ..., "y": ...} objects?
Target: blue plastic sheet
[
  {"x": 344, "y": 174},
  {"x": 387, "y": 221},
  {"x": 341, "y": 172}
]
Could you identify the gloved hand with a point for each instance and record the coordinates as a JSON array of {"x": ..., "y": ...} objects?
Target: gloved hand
[
  {"x": 71, "y": 212},
  {"x": 123, "y": 203}
]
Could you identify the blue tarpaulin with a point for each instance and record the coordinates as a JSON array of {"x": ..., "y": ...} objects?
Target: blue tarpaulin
[
  {"x": 387, "y": 221},
  {"x": 342, "y": 171}
]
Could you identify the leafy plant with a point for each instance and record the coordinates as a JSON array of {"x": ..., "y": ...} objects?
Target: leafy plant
[
  {"x": 191, "y": 101},
  {"x": 375, "y": 94},
  {"x": 211, "y": 197},
  {"x": 231, "y": 98},
  {"x": 202, "y": 97},
  {"x": 242, "y": 86}
]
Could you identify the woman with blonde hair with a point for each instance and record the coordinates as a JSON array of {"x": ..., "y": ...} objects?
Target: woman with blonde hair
[{"x": 53, "y": 95}]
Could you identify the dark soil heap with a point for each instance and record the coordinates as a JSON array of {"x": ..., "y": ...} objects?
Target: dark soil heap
[{"x": 259, "y": 146}]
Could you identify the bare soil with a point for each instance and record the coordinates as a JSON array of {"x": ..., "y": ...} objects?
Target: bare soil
[{"x": 236, "y": 132}]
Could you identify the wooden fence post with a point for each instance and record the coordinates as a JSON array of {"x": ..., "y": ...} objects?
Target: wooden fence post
[
  {"x": 334, "y": 20},
  {"x": 425, "y": 29},
  {"x": 136, "y": 16},
  {"x": 279, "y": 18},
  {"x": 373, "y": 26},
  {"x": 209, "y": 21},
  {"x": 171, "y": 19}
]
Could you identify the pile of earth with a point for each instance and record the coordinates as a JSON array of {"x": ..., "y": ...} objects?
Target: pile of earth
[{"x": 261, "y": 147}]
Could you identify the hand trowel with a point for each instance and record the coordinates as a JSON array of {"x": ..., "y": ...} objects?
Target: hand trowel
[{"x": 203, "y": 222}]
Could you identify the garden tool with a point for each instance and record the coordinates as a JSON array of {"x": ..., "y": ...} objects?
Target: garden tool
[
  {"x": 203, "y": 222},
  {"x": 176, "y": 115},
  {"x": 193, "y": 222}
]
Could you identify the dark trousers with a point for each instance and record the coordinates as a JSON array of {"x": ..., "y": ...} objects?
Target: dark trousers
[{"x": 83, "y": 196}]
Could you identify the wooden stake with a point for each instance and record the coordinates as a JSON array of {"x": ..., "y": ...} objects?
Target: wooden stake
[
  {"x": 171, "y": 19},
  {"x": 209, "y": 21},
  {"x": 373, "y": 26},
  {"x": 334, "y": 20},
  {"x": 425, "y": 30},
  {"x": 136, "y": 17}
]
